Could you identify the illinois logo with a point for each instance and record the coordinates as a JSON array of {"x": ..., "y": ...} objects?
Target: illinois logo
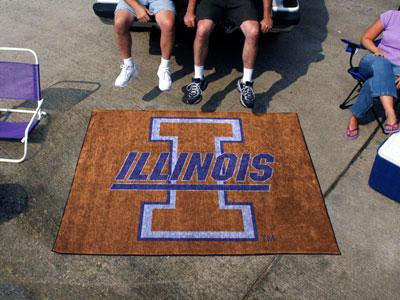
[{"x": 191, "y": 176}]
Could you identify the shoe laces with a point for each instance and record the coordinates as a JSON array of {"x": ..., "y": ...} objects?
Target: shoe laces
[
  {"x": 165, "y": 73},
  {"x": 194, "y": 89},
  {"x": 125, "y": 69},
  {"x": 248, "y": 92}
]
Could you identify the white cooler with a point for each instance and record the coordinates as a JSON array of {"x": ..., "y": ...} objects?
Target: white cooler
[{"x": 385, "y": 173}]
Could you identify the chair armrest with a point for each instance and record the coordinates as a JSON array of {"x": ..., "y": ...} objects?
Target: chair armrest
[
  {"x": 351, "y": 47},
  {"x": 21, "y": 50}
]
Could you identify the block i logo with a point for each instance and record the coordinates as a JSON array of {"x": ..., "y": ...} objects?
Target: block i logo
[{"x": 196, "y": 171}]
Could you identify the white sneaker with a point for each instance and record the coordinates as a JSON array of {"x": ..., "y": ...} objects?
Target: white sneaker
[
  {"x": 165, "y": 81},
  {"x": 126, "y": 74}
]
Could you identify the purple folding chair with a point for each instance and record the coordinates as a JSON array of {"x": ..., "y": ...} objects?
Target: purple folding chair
[{"x": 20, "y": 81}]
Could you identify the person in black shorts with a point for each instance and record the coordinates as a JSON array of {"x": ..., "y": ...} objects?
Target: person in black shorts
[{"x": 242, "y": 13}]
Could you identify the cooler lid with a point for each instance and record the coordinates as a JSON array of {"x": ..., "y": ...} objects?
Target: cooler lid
[{"x": 390, "y": 150}]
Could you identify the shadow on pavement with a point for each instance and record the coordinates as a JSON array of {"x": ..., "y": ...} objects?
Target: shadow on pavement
[
  {"x": 288, "y": 54},
  {"x": 61, "y": 97},
  {"x": 13, "y": 201}
]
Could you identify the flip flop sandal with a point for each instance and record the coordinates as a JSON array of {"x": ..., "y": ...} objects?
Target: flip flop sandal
[
  {"x": 351, "y": 134},
  {"x": 391, "y": 128}
]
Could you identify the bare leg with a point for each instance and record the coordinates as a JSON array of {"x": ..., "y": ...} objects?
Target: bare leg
[
  {"x": 352, "y": 128},
  {"x": 251, "y": 31},
  {"x": 204, "y": 29},
  {"x": 122, "y": 22},
  {"x": 353, "y": 123},
  {"x": 166, "y": 21},
  {"x": 387, "y": 103}
]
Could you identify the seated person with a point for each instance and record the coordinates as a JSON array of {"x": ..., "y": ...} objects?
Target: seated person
[
  {"x": 129, "y": 10},
  {"x": 382, "y": 68},
  {"x": 242, "y": 13}
]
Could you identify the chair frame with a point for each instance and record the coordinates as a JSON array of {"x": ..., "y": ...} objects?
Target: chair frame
[
  {"x": 37, "y": 113},
  {"x": 354, "y": 48}
]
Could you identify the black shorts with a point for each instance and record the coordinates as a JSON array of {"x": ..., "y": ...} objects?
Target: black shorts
[{"x": 234, "y": 11}]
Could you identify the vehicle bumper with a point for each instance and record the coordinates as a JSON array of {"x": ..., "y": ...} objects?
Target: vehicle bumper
[{"x": 284, "y": 20}]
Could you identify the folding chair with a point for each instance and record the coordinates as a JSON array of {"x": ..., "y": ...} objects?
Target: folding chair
[
  {"x": 19, "y": 81},
  {"x": 354, "y": 71}
]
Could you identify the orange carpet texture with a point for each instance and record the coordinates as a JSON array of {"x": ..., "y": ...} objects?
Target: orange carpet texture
[{"x": 192, "y": 183}]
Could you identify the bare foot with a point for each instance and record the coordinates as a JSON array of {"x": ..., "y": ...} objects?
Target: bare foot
[
  {"x": 353, "y": 123},
  {"x": 391, "y": 118},
  {"x": 352, "y": 128}
]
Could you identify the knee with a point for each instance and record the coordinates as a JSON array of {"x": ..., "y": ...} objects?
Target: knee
[
  {"x": 252, "y": 32},
  {"x": 167, "y": 25},
  {"x": 381, "y": 63},
  {"x": 120, "y": 25},
  {"x": 203, "y": 30}
]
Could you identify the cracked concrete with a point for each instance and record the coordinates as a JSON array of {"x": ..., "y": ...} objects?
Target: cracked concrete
[{"x": 302, "y": 71}]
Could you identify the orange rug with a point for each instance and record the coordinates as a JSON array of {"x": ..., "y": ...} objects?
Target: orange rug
[{"x": 192, "y": 183}]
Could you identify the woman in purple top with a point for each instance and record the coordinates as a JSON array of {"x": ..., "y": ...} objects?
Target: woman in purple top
[{"x": 382, "y": 68}]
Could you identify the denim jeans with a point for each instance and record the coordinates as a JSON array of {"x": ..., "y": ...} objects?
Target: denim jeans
[{"x": 381, "y": 74}]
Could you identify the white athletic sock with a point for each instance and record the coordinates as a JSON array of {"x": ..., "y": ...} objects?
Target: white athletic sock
[
  {"x": 198, "y": 72},
  {"x": 164, "y": 63},
  {"x": 247, "y": 74},
  {"x": 128, "y": 61}
]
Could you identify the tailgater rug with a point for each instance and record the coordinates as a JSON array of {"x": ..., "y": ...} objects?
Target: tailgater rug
[{"x": 192, "y": 183}]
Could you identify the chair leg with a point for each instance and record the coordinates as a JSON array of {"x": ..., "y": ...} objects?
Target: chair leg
[
  {"x": 345, "y": 104},
  {"x": 18, "y": 160}
]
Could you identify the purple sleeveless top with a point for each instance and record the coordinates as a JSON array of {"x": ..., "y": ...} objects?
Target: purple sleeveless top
[{"x": 390, "y": 43}]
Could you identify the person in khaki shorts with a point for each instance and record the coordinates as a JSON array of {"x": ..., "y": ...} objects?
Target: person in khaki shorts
[{"x": 128, "y": 11}]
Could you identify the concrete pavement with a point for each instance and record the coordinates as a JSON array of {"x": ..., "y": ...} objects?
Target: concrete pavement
[{"x": 303, "y": 71}]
